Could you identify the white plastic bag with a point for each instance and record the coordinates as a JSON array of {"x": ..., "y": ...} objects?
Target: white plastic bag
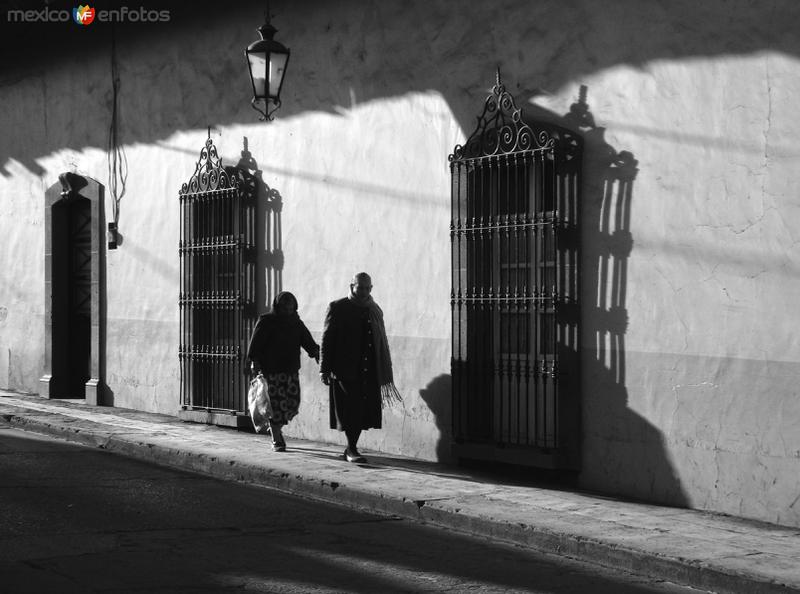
[{"x": 259, "y": 404}]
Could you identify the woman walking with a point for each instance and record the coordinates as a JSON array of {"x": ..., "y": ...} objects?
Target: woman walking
[{"x": 275, "y": 351}]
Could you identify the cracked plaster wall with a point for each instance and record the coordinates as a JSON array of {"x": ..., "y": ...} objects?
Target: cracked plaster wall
[
  {"x": 693, "y": 403},
  {"x": 702, "y": 398}
]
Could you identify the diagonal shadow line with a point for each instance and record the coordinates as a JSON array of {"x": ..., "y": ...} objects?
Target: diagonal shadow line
[
  {"x": 153, "y": 262},
  {"x": 684, "y": 138},
  {"x": 374, "y": 190}
]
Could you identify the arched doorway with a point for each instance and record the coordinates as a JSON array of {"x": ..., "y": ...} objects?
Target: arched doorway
[{"x": 74, "y": 290}]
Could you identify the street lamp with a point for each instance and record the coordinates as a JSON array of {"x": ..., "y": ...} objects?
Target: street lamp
[{"x": 266, "y": 60}]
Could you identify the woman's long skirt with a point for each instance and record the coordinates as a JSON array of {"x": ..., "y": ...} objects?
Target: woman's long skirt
[{"x": 284, "y": 396}]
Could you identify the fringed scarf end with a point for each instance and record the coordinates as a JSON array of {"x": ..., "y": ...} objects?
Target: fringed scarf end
[{"x": 390, "y": 395}]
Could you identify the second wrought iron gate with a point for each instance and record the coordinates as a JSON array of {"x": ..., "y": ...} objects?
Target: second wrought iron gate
[
  {"x": 217, "y": 298},
  {"x": 515, "y": 264}
]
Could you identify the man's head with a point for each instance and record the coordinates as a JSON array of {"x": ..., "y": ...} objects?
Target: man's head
[{"x": 361, "y": 285}]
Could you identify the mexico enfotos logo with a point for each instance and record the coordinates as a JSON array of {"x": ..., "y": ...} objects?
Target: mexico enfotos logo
[{"x": 85, "y": 15}]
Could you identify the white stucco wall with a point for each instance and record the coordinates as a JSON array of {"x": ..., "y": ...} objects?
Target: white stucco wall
[
  {"x": 692, "y": 402},
  {"x": 711, "y": 282},
  {"x": 355, "y": 197}
]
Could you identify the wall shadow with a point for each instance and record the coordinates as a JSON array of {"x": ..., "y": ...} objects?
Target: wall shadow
[
  {"x": 268, "y": 257},
  {"x": 439, "y": 398},
  {"x": 357, "y": 53}
]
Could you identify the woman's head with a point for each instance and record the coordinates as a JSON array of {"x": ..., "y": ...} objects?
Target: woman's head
[{"x": 285, "y": 304}]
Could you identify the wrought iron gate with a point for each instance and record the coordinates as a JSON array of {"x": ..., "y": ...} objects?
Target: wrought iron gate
[
  {"x": 515, "y": 257},
  {"x": 217, "y": 300}
]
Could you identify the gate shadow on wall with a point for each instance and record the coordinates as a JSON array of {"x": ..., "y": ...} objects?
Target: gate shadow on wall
[
  {"x": 621, "y": 449},
  {"x": 623, "y": 444},
  {"x": 268, "y": 232}
]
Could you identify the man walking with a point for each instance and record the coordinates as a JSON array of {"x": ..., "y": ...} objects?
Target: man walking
[{"x": 355, "y": 363}]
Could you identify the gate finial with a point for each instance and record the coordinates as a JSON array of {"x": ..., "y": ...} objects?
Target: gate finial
[
  {"x": 209, "y": 173},
  {"x": 501, "y": 129}
]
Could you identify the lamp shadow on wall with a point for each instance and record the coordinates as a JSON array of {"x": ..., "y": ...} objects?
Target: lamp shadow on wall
[{"x": 268, "y": 272}]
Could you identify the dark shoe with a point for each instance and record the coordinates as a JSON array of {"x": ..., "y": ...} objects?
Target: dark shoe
[
  {"x": 354, "y": 456},
  {"x": 278, "y": 443}
]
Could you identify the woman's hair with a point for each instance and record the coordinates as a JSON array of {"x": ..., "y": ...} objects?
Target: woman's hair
[{"x": 280, "y": 297}]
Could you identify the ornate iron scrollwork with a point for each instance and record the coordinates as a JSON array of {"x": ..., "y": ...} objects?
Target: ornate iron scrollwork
[
  {"x": 209, "y": 173},
  {"x": 500, "y": 129}
]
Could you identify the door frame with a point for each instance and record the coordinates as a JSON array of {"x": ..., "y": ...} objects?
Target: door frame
[{"x": 71, "y": 186}]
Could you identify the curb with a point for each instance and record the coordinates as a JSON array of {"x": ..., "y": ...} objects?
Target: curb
[{"x": 443, "y": 514}]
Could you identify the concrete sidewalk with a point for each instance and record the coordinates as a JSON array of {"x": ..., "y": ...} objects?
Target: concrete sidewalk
[{"x": 707, "y": 551}]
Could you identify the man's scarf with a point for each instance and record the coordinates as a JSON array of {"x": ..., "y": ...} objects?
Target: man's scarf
[{"x": 383, "y": 359}]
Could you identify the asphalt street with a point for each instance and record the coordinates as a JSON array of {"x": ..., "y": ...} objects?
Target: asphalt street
[{"x": 76, "y": 519}]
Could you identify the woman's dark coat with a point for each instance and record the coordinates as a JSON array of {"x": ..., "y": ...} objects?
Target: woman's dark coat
[{"x": 276, "y": 341}]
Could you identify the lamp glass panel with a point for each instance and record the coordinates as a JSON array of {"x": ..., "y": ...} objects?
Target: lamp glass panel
[
  {"x": 277, "y": 65},
  {"x": 258, "y": 70}
]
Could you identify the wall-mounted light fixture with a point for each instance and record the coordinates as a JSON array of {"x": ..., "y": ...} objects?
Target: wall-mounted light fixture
[
  {"x": 112, "y": 236},
  {"x": 266, "y": 60}
]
